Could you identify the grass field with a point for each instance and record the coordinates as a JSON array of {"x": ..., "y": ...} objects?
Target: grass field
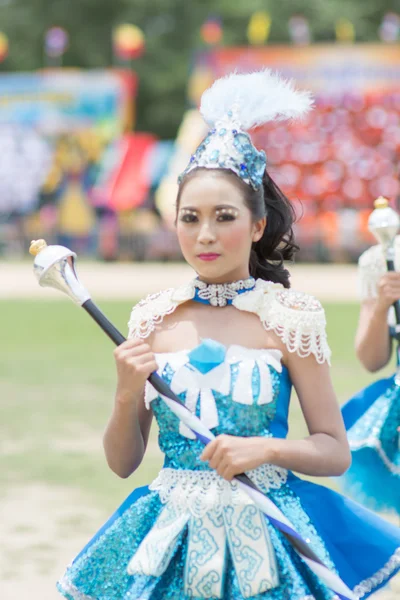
[{"x": 56, "y": 392}]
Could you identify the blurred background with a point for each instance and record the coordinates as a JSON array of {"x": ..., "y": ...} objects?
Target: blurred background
[{"x": 97, "y": 118}]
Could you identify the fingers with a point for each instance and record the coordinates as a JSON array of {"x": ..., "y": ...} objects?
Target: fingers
[
  {"x": 227, "y": 473},
  {"x": 134, "y": 352},
  {"x": 209, "y": 450},
  {"x": 218, "y": 455},
  {"x": 135, "y": 362},
  {"x": 133, "y": 347},
  {"x": 393, "y": 276},
  {"x": 389, "y": 287},
  {"x": 139, "y": 359},
  {"x": 215, "y": 449}
]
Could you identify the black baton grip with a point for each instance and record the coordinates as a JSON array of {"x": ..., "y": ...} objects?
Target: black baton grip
[{"x": 391, "y": 267}]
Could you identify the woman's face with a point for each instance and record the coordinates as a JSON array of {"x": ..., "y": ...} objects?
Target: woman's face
[{"x": 215, "y": 228}]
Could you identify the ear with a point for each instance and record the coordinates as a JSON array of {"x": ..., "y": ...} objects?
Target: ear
[{"x": 258, "y": 229}]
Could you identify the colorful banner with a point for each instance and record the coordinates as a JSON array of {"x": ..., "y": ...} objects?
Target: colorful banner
[
  {"x": 322, "y": 68},
  {"x": 55, "y": 102},
  {"x": 55, "y": 127}
]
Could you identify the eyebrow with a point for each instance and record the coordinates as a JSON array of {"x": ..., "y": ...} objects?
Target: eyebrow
[{"x": 219, "y": 207}]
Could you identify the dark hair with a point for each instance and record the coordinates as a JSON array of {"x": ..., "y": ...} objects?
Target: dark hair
[{"x": 277, "y": 243}]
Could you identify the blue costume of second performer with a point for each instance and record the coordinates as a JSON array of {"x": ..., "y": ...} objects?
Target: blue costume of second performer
[{"x": 372, "y": 417}]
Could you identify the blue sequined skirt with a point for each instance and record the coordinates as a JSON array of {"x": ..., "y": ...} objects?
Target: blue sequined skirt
[
  {"x": 361, "y": 547},
  {"x": 372, "y": 418}
]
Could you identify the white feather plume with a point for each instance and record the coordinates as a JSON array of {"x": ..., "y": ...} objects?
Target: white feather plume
[{"x": 258, "y": 98}]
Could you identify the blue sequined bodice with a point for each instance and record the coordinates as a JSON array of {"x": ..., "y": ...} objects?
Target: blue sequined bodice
[{"x": 233, "y": 390}]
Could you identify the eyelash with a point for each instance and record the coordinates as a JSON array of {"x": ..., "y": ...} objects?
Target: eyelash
[
  {"x": 226, "y": 217},
  {"x": 193, "y": 219},
  {"x": 188, "y": 218}
]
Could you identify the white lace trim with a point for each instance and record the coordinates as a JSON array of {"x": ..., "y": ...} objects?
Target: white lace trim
[
  {"x": 375, "y": 443},
  {"x": 371, "y": 267},
  {"x": 297, "y": 318},
  {"x": 150, "y": 312},
  {"x": 360, "y": 590},
  {"x": 201, "y": 491},
  {"x": 72, "y": 590},
  {"x": 366, "y": 586}
]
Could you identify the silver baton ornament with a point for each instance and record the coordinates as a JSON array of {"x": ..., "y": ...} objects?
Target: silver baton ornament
[
  {"x": 384, "y": 223},
  {"x": 54, "y": 266}
]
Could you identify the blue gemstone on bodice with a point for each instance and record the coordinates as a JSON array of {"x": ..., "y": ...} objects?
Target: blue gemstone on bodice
[{"x": 207, "y": 356}]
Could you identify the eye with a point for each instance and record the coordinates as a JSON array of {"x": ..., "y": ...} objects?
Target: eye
[
  {"x": 225, "y": 217},
  {"x": 188, "y": 218}
]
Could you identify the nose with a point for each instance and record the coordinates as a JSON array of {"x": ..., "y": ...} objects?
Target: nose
[{"x": 206, "y": 234}]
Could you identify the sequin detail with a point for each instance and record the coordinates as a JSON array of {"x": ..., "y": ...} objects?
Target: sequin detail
[
  {"x": 365, "y": 587},
  {"x": 227, "y": 146},
  {"x": 378, "y": 428},
  {"x": 100, "y": 572},
  {"x": 374, "y": 440},
  {"x": 202, "y": 375}
]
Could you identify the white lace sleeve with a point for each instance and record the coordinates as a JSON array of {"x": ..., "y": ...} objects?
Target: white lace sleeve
[
  {"x": 299, "y": 320},
  {"x": 148, "y": 313},
  {"x": 371, "y": 267}
]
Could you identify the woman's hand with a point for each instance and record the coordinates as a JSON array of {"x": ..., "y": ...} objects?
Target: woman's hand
[
  {"x": 388, "y": 290},
  {"x": 135, "y": 362},
  {"x": 230, "y": 455}
]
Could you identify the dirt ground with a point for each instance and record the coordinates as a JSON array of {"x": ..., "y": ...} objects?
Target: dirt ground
[
  {"x": 39, "y": 522},
  {"x": 135, "y": 280}
]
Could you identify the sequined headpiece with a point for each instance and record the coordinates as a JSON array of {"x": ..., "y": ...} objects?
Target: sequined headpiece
[{"x": 231, "y": 107}]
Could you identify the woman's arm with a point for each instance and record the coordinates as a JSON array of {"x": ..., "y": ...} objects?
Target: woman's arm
[
  {"x": 324, "y": 453},
  {"x": 373, "y": 343},
  {"x": 127, "y": 432}
]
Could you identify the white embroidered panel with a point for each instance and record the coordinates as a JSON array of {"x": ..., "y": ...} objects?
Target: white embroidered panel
[{"x": 228, "y": 517}]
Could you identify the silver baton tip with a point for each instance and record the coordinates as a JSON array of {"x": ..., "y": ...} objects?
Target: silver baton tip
[{"x": 54, "y": 266}]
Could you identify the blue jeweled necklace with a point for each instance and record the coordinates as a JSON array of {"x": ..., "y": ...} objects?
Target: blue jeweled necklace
[{"x": 221, "y": 294}]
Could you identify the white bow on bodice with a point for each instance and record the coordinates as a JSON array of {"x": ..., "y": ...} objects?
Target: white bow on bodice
[{"x": 202, "y": 387}]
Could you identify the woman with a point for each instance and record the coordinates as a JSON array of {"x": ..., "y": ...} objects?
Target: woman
[
  {"x": 231, "y": 343},
  {"x": 372, "y": 417}
]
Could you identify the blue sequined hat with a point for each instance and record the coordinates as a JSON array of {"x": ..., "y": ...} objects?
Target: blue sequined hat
[
  {"x": 227, "y": 146},
  {"x": 232, "y": 106}
]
